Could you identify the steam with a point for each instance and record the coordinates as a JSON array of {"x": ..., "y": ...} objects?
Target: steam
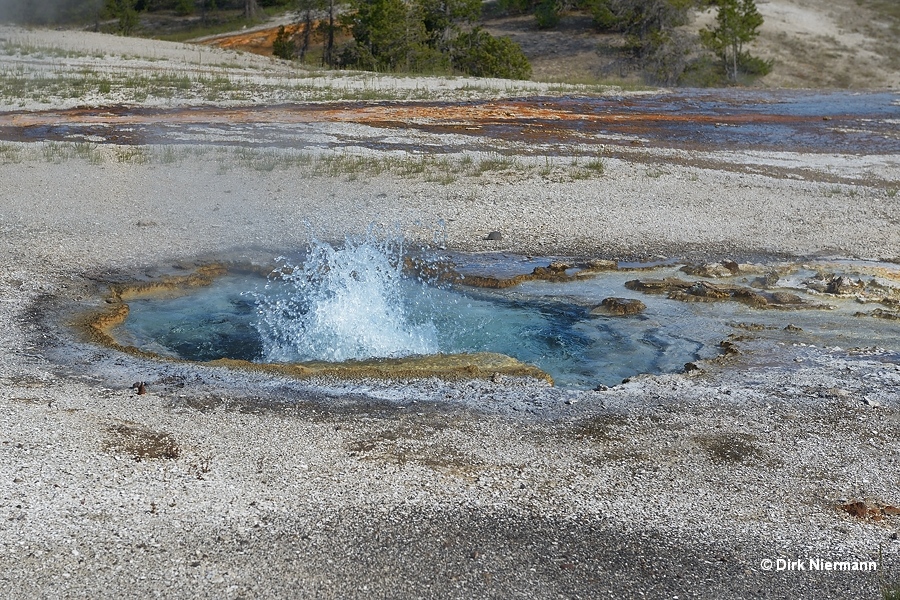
[{"x": 49, "y": 12}]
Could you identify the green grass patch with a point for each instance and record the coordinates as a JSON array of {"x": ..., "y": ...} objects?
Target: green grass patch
[
  {"x": 10, "y": 153},
  {"x": 133, "y": 155},
  {"x": 432, "y": 168}
]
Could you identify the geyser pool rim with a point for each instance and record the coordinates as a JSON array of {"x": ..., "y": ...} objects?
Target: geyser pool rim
[{"x": 98, "y": 326}]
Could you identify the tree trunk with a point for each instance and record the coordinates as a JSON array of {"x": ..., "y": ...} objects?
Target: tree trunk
[
  {"x": 307, "y": 33},
  {"x": 327, "y": 57},
  {"x": 734, "y": 64},
  {"x": 251, "y": 9}
]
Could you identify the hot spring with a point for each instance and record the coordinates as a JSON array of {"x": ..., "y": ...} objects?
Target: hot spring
[{"x": 372, "y": 299}]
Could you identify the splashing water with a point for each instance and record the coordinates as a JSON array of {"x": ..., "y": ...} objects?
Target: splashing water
[
  {"x": 346, "y": 303},
  {"x": 357, "y": 302}
]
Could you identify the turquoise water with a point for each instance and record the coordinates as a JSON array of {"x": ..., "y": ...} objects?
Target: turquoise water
[{"x": 356, "y": 302}]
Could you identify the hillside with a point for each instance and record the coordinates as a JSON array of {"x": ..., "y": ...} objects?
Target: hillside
[{"x": 847, "y": 44}]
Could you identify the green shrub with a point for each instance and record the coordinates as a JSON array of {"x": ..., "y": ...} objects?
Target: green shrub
[
  {"x": 752, "y": 65},
  {"x": 547, "y": 14},
  {"x": 480, "y": 54},
  {"x": 515, "y": 7},
  {"x": 604, "y": 17},
  {"x": 184, "y": 7},
  {"x": 283, "y": 46}
]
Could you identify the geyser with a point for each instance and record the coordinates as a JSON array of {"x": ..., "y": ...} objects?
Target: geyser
[
  {"x": 348, "y": 303},
  {"x": 362, "y": 301}
]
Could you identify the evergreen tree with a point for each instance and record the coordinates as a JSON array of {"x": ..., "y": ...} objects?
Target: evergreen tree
[
  {"x": 307, "y": 8},
  {"x": 125, "y": 12},
  {"x": 328, "y": 27},
  {"x": 427, "y": 36},
  {"x": 651, "y": 34},
  {"x": 480, "y": 54},
  {"x": 737, "y": 23},
  {"x": 389, "y": 35},
  {"x": 283, "y": 46},
  {"x": 251, "y": 9},
  {"x": 442, "y": 19}
]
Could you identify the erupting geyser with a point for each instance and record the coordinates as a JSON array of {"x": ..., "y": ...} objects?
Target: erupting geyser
[
  {"x": 360, "y": 301},
  {"x": 346, "y": 303}
]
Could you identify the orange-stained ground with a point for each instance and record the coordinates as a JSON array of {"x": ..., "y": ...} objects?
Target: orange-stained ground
[
  {"x": 260, "y": 41},
  {"x": 389, "y": 114}
]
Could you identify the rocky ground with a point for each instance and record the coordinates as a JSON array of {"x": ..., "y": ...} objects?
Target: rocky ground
[{"x": 226, "y": 484}]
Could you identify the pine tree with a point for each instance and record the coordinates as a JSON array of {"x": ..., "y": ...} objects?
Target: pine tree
[
  {"x": 737, "y": 23},
  {"x": 251, "y": 9}
]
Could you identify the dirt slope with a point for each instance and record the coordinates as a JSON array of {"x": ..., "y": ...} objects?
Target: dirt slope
[
  {"x": 814, "y": 43},
  {"x": 852, "y": 44}
]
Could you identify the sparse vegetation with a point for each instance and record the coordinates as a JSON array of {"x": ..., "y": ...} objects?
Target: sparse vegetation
[
  {"x": 890, "y": 591},
  {"x": 134, "y": 155},
  {"x": 730, "y": 449},
  {"x": 26, "y": 83},
  {"x": 434, "y": 168},
  {"x": 887, "y": 582},
  {"x": 671, "y": 55}
]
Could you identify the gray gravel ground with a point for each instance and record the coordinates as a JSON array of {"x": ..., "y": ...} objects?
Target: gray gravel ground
[
  {"x": 231, "y": 485},
  {"x": 665, "y": 486}
]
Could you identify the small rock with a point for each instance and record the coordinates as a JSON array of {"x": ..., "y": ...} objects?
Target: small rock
[
  {"x": 599, "y": 264},
  {"x": 619, "y": 306},
  {"x": 793, "y": 328},
  {"x": 657, "y": 286},
  {"x": 702, "y": 289},
  {"x": 769, "y": 280},
  {"x": 879, "y": 313},
  {"x": 691, "y": 367},
  {"x": 494, "y": 236},
  {"x": 709, "y": 270},
  {"x": 842, "y": 286},
  {"x": 786, "y": 298},
  {"x": 559, "y": 265},
  {"x": 750, "y": 297},
  {"x": 872, "y": 403}
]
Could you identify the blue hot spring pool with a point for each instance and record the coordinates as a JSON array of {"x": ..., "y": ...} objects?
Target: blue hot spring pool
[{"x": 357, "y": 301}]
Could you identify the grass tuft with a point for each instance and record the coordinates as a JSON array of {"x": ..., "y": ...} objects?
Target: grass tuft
[{"x": 432, "y": 168}]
